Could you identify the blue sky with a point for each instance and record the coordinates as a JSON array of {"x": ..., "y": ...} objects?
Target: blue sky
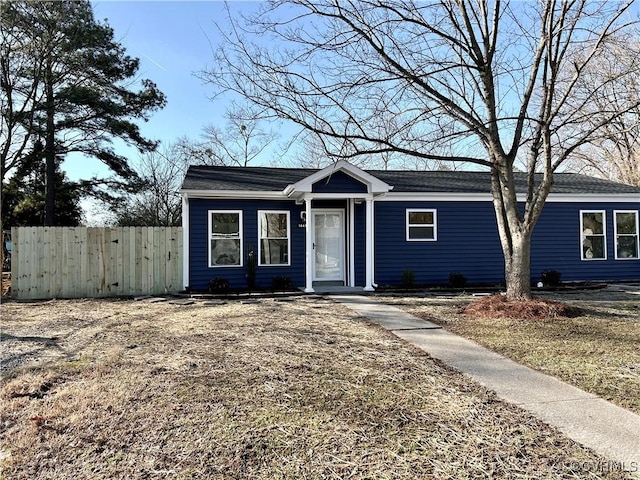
[{"x": 172, "y": 39}]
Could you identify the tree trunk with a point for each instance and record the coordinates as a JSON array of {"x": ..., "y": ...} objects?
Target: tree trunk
[
  {"x": 515, "y": 238},
  {"x": 517, "y": 267},
  {"x": 2, "y": 250},
  {"x": 50, "y": 152}
]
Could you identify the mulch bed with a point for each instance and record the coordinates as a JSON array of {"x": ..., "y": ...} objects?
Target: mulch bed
[{"x": 497, "y": 306}]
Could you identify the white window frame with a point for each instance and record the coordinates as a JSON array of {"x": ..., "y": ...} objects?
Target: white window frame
[
  {"x": 615, "y": 234},
  {"x": 210, "y": 237},
  {"x": 409, "y": 225},
  {"x": 603, "y": 234},
  {"x": 260, "y": 238}
]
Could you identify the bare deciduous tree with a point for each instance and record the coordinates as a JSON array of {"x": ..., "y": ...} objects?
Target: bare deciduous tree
[
  {"x": 240, "y": 141},
  {"x": 20, "y": 68},
  {"x": 160, "y": 204},
  {"x": 315, "y": 151},
  {"x": 615, "y": 153},
  {"x": 496, "y": 82}
]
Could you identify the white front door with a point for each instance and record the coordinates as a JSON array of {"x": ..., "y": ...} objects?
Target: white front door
[{"x": 328, "y": 245}]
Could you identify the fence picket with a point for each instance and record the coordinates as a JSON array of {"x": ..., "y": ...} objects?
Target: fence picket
[{"x": 68, "y": 262}]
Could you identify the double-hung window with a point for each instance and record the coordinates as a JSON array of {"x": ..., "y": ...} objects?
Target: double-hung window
[
  {"x": 593, "y": 240},
  {"x": 421, "y": 225},
  {"x": 626, "y": 233},
  {"x": 225, "y": 235},
  {"x": 274, "y": 238}
]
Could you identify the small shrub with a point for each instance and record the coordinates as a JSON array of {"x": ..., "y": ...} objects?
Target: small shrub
[
  {"x": 551, "y": 278},
  {"x": 219, "y": 285},
  {"x": 408, "y": 278},
  {"x": 281, "y": 282},
  {"x": 457, "y": 280}
]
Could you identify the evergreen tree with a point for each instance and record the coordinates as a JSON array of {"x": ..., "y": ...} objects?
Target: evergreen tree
[
  {"x": 66, "y": 81},
  {"x": 24, "y": 195}
]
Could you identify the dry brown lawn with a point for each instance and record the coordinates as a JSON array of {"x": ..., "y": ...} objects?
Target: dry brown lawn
[
  {"x": 299, "y": 389},
  {"x": 597, "y": 350}
]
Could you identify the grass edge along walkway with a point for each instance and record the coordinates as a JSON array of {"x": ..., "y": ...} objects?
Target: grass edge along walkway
[{"x": 609, "y": 430}]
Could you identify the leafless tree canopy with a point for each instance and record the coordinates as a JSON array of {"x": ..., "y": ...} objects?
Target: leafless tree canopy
[
  {"x": 492, "y": 83},
  {"x": 17, "y": 96},
  {"x": 434, "y": 79},
  {"x": 615, "y": 152},
  {"x": 241, "y": 140},
  {"x": 160, "y": 204}
]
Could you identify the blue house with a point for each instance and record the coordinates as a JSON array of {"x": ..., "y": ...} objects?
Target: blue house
[{"x": 346, "y": 226}]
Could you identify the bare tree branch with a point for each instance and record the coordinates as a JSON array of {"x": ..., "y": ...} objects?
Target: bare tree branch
[{"x": 499, "y": 83}]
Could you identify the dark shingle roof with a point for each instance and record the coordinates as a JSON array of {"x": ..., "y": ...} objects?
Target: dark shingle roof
[
  {"x": 242, "y": 178},
  {"x": 277, "y": 179}
]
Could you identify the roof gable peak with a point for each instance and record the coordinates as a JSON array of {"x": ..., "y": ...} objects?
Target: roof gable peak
[{"x": 305, "y": 185}]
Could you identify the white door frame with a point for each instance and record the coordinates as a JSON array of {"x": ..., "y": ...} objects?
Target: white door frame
[{"x": 321, "y": 211}]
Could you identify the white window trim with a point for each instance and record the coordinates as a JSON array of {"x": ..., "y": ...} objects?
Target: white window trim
[
  {"x": 435, "y": 224},
  {"x": 210, "y": 237},
  {"x": 615, "y": 234},
  {"x": 288, "y": 264},
  {"x": 604, "y": 235}
]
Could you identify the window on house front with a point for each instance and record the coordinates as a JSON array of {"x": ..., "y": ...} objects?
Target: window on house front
[
  {"x": 225, "y": 235},
  {"x": 273, "y": 230},
  {"x": 626, "y": 232},
  {"x": 592, "y": 235},
  {"x": 421, "y": 225}
]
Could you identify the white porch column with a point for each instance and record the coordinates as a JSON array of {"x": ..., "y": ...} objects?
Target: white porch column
[
  {"x": 308, "y": 288},
  {"x": 185, "y": 241},
  {"x": 352, "y": 270},
  {"x": 369, "y": 246}
]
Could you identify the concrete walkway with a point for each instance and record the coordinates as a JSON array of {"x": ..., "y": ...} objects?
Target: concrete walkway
[{"x": 611, "y": 431}]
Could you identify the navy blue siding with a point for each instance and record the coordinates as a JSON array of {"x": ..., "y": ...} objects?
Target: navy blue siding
[
  {"x": 339, "y": 182},
  {"x": 199, "y": 271},
  {"x": 468, "y": 242},
  {"x": 556, "y": 244}
]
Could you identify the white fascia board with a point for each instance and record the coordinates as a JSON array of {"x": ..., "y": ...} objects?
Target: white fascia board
[
  {"x": 487, "y": 197},
  {"x": 306, "y": 184},
  {"x": 593, "y": 197},
  {"x": 434, "y": 197},
  {"x": 336, "y": 196},
  {"x": 235, "y": 194}
]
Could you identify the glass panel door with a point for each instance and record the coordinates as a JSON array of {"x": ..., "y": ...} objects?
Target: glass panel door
[{"x": 328, "y": 245}]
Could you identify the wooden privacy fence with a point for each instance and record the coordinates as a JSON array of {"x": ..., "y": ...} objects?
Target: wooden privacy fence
[{"x": 70, "y": 262}]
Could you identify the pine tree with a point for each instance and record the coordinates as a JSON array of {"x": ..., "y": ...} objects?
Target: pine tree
[
  {"x": 79, "y": 88},
  {"x": 24, "y": 194}
]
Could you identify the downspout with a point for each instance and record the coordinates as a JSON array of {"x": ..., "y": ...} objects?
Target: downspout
[{"x": 373, "y": 239}]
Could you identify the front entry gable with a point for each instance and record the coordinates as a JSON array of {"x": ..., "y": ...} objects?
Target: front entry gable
[
  {"x": 341, "y": 177},
  {"x": 339, "y": 182}
]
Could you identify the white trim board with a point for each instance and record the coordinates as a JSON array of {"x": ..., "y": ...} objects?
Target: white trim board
[
  {"x": 487, "y": 197},
  {"x": 406, "y": 196}
]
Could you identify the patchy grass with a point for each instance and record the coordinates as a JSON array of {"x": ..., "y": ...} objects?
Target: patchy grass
[
  {"x": 596, "y": 351},
  {"x": 304, "y": 389}
]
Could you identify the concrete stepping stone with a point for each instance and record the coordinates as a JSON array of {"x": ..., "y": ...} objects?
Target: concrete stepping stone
[{"x": 188, "y": 301}]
